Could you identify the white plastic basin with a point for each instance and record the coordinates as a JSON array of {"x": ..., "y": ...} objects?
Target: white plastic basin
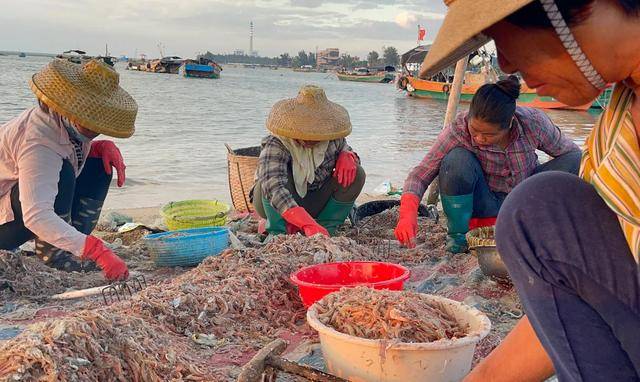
[{"x": 362, "y": 360}]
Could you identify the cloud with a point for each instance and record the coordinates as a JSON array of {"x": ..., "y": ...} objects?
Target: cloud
[
  {"x": 188, "y": 27},
  {"x": 406, "y": 20}
]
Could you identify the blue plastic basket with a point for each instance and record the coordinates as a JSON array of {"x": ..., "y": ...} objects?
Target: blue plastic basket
[{"x": 187, "y": 247}]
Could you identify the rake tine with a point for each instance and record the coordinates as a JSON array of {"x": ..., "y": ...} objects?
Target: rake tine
[
  {"x": 124, "y": 289},
  {"x": 108, "y": 292}
]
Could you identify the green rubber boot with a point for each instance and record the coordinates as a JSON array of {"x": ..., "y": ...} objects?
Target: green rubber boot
[
  {"x": 275, "y": 223},
  {"x": 334, "y": 214},
  {"x": 458, "y": 209}
]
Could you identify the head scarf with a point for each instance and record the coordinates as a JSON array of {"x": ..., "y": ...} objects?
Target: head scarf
[{"x": 304, "y": 162}]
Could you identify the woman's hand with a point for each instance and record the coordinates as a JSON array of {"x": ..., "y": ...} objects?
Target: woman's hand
[
  {"x": 299, "y": 217},
  {"x": 519, "y": 357},
  {"x": 407, "y": 227},
  {"x": 111, "y": 157},
  {"x": 346, "y": 168},
  {"x": 112, "y": 266}
]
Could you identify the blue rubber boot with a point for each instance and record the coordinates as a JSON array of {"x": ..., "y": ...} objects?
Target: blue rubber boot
[
  {"x": 334, "y": 214},
  {"x": 275, "y": 223},
  {"x": 458, "y": 209}
]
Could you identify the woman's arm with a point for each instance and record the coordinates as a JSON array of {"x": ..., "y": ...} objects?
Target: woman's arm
[
  {"x": 520, "y": 357},
  {"x": 423, "y": 174},
  {"x": 273, "y": 174},
  {"x": 38, "y": 176},
  {"x": 551, "y": 140}
]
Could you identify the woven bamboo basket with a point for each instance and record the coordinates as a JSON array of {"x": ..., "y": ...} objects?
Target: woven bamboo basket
[
  {"x": 482, "y": 244},
  {"x": 241, "y": 169},
  {"x": 481, "y": 237}
]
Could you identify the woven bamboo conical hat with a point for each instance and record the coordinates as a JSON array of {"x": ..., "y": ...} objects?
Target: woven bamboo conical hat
[
  {"x": 461, "y": 30},
  {"x": 310, "y": 116},
  {"x": 87, "y": 94}
]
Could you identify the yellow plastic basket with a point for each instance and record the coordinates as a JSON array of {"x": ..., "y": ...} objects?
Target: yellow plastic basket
[{"x": 188, "y": 214}]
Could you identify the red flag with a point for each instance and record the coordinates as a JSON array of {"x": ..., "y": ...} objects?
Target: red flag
[{"x": 421, "y": 33}]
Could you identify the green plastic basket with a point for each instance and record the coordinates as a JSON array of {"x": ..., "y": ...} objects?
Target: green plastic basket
[{"x": 195, "y": 214}]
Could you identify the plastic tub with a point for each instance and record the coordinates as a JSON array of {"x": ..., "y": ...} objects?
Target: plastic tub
[
  {"x": 317, "y": 281},
  {"x": 186, "y": 247},
  {"x": 363, "y": 360}
]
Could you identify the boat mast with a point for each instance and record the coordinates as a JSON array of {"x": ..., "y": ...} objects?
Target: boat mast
[{"x": 452, "y": 108}]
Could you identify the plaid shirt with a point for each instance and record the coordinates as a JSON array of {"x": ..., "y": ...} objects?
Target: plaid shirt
[
  {"x": 274, "y": 167},
  {"x": 503, "y": 169}
]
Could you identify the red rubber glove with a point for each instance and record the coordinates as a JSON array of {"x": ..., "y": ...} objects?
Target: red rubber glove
[
  {"x": 407, "y": 227},
  {"x": 346, "y": 168},
  {"x": 111, "y": 157},
  {"x": 112, "y": 266},
  {"x": 300, "y": 218}
]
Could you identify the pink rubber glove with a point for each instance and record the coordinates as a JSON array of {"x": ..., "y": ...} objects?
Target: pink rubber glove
[
  {"x": 299, "y": 217},
  {"x": 346, "y": 168},
  {"x": 407, "y": 227},
  {"x": 111, "y": 157},
  {"x": 112, "y": 266}
]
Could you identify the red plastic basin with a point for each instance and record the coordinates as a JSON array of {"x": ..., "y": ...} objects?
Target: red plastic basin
[{"x": 317, "y": 281}]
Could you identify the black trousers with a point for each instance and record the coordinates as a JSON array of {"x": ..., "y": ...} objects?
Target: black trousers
[
  {"x": 79, "y": 202},
  {"x": 576, "y": 277}
]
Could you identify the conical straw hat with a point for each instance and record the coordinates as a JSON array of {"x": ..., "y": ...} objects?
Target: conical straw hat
[
  {"x": 310, "y": 116},
  {"x": 88, "y": 95},
  {"x": 461, "y": 31}
]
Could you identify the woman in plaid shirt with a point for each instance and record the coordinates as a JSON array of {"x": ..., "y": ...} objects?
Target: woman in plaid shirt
[
  {"x": 481, "y": 157},
  {"x": 308, "y": 178}
]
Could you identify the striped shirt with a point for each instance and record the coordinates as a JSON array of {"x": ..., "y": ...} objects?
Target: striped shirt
[
  {"x": 611, "y": 163},
  {"x": 274, "y": 167},
  {"x": 503, "y": 169}
]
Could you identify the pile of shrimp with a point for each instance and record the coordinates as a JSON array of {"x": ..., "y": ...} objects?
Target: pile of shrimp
[
  {"x": 97, "y": 346},
  {"x": 388, "y": 315}
]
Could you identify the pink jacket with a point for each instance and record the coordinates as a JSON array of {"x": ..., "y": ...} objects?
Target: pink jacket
[{"x": 32, "y": 148}]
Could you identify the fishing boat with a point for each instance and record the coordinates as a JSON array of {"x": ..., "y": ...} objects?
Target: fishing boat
[
  {"x": 169, "y": 64},
  {"x": 80, "y": 57},
  {"x": 368, "y": 75},
  {"x": 304, "y": 69},
  {"x": 200, "y": 68},
  {"x": 482, "y": 70},
  {"x": 418, "y": 88}
]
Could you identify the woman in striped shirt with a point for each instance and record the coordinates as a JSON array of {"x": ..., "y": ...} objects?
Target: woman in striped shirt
[{"x": 571, "y": 244}]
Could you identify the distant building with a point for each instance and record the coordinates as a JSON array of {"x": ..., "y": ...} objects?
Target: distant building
[
  {"x": 238, "y": 52},
  {"x": 328, "y": 58},
  {"x": 253, "y": 53}
]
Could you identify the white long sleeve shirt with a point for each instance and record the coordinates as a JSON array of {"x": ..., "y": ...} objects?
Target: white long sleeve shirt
[{"x": 32, "y": 149}]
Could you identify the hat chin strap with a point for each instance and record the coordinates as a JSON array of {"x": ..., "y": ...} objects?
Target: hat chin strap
[{"x": 571, "y": 45}]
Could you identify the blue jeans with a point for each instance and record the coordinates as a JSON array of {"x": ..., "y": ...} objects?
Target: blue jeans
[
  {"x": 578, "y": 282},
  {"x": 461, "y": 174}
]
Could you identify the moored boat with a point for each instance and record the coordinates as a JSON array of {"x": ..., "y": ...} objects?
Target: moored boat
[
  {"x": 201, "y": 68},
  {"x": 419, "y": 88},
  {"x": 304, "y": 69},
  {"x": 80, "y": 57},
  {"x": 366, "y": 75}
]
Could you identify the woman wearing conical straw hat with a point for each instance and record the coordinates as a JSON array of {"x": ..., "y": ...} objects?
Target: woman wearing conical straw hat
[
  {"x": 54, "y": 177},
  {"x": 571, "y": 243},
  {"x": 308, "y": 178}
]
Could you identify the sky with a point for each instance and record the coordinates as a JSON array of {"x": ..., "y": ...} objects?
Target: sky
[{"x": 188, "y": 27}]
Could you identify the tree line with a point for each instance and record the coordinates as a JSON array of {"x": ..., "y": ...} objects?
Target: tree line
[{"x": 389, "y": 57}]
